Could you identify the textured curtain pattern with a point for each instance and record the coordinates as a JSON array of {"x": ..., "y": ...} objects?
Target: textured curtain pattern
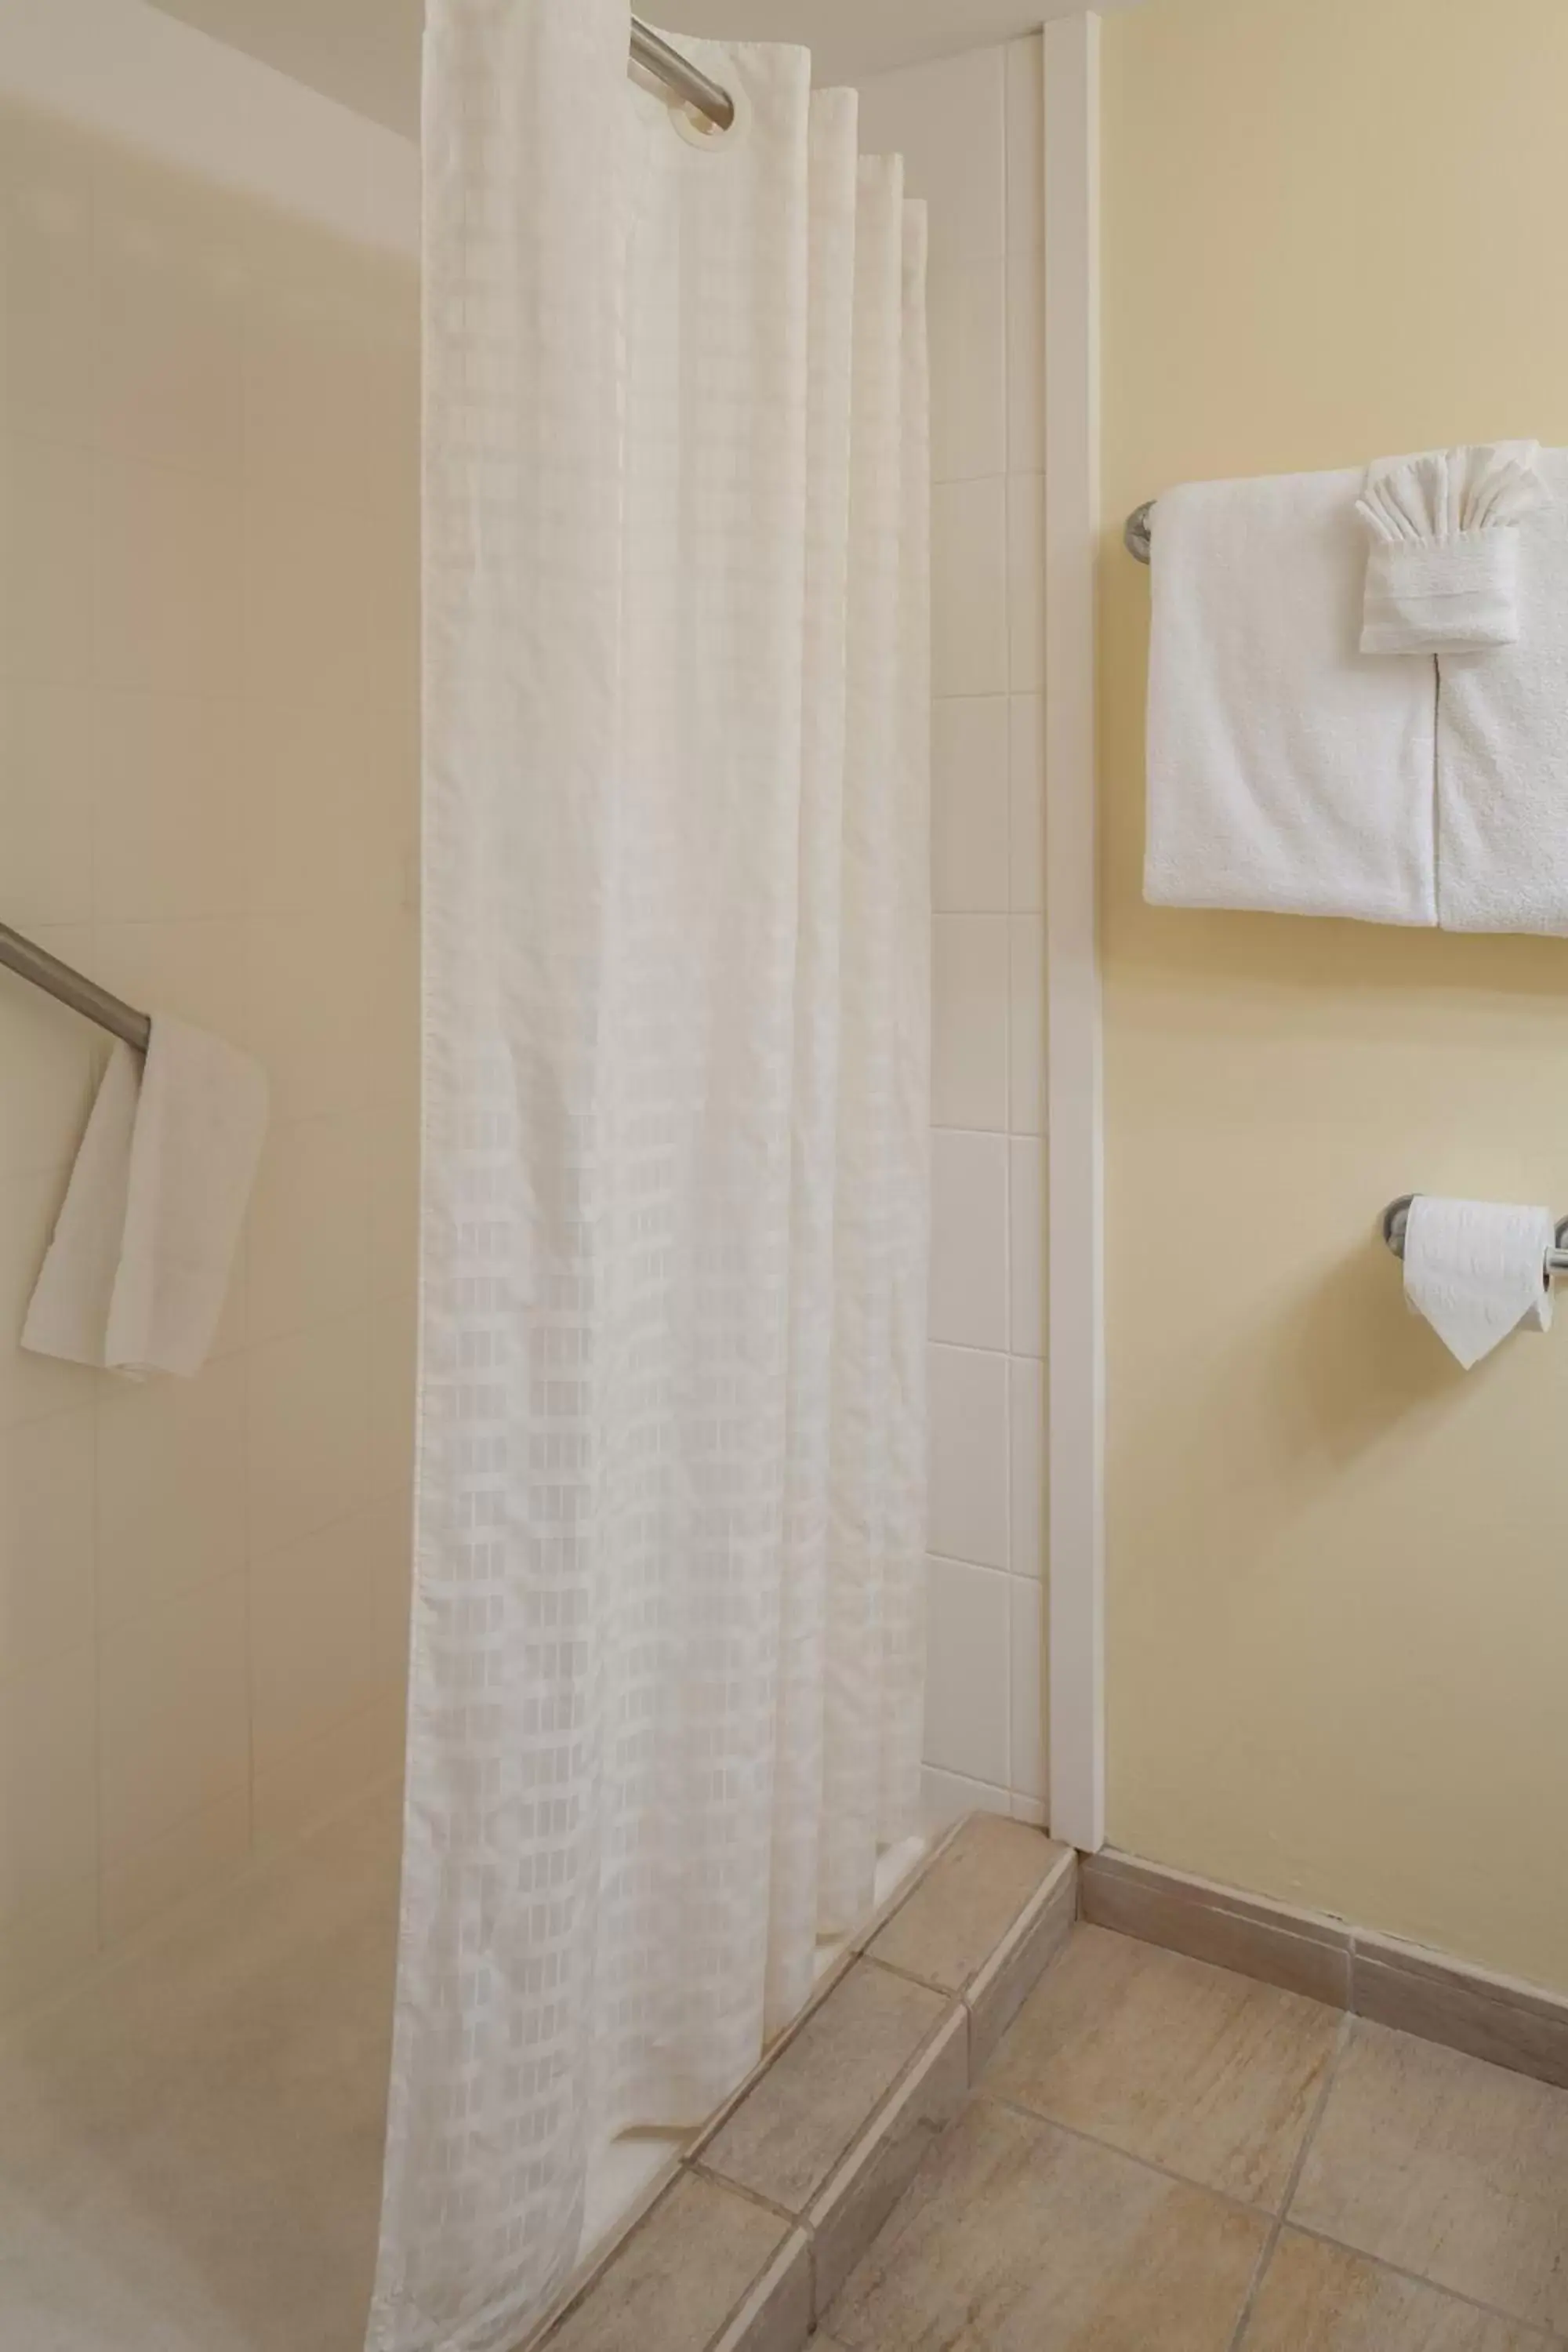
[{"x": 668, "y": 1655}]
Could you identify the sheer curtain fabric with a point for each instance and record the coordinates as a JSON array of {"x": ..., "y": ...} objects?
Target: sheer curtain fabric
[{"x": 668, "y": 1657}]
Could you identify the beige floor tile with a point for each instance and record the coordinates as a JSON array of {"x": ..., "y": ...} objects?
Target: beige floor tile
[
  {"x": 682, "y": 2273},
  {"x": 1446, "y": 2166},
  {"x": 1210, "y": 2074},
  {"x": 967, "y": 1902},
  {"x": 1018, "y": 2237},
  {"x": 1321, "y": 2298},
  {"x": 792, "y": 2126}
]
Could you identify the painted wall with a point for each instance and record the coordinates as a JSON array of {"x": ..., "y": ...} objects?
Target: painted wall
[
  {"x": 1338, "y": 1566},
  {"x": 969, "y": 129},
  {"x": 208, "y": 788}
]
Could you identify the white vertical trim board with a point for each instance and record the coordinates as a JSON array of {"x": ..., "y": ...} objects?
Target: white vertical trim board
[{"x": 1075, "y": 1345}]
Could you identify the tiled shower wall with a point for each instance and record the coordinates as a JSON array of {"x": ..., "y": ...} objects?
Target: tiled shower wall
[
  {"x": 968, "y": 128},
  {"x": 208, "y": 785}
]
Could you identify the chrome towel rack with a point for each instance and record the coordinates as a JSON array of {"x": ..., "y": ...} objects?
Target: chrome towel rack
[
  {"x": 73, "y": 988},
  {"x": 1397, "y": 1212}
]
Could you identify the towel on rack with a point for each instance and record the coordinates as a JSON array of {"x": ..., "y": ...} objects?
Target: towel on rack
[
  {"x": 1288, "y": 770},
  {"x": 135, "y": 1275},
  {"x": 1503, "y": 747},
  {"x": 1442, "y": 572}
]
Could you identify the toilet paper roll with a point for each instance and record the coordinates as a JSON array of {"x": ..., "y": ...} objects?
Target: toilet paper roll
[{"x": 1477, "y": 1271}]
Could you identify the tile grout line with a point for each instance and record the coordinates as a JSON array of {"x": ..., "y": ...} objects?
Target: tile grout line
[
  {"x": 1266, "y": 2254},
  {"x": 1111, "y": 2148},
  {"x": 1418, "y": 2278}
]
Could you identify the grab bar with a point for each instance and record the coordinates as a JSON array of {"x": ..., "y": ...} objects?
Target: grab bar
[{"x": 73, "y": 988}]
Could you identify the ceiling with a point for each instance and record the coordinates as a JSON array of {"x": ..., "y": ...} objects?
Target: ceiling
[{"x": 366, "y": 53}]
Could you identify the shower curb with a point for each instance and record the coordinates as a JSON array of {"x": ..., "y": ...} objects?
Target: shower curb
[
  {"x": 944, "y": 1969},
  {"x": 1408, "y": 1986}
]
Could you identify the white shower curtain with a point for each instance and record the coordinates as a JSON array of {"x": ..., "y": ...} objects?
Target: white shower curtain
[{"x": 668, "y": 1651}]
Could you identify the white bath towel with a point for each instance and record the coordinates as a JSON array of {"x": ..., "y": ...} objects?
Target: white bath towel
[
  {"x": 1442, "y": 572},
  {"x": 1287, "y": 769},
  {"x": 135, "y": 1275},
  {"x": 1503, "y": 747}
]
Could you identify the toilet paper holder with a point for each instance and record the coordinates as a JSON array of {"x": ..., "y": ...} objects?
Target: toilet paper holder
[{"x": 1395, "y": 1215}]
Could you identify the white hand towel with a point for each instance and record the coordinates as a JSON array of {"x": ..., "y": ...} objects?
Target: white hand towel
[
  {"x": 1503, "y": 747},
  {"x": 1442, "y": 572},
  {"x": 135, "y": 1274},
  {"x": 1287, "y": 770}
]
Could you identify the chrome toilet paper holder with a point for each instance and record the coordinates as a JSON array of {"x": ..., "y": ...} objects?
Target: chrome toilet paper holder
[{"x": 1395, "y": 1215}]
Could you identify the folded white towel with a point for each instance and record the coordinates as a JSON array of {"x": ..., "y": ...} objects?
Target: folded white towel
[
  {"x": 135, "y": 1274},
  {"x": 1442, "y": 571},
  {"x": 1503, "y": 747},
  {"x": 1287, "y": 770}
]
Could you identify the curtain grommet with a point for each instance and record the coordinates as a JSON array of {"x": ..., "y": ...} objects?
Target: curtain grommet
[{"x": 711, "y": 138}]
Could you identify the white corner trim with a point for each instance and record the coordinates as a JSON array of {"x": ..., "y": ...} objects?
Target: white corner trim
[
  {"x": 1075, "y": 1344},
  {"x": 125, "y": 69}
]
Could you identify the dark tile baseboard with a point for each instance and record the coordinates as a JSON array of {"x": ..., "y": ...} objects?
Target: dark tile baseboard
[{"x": 1422, "y": 1992}]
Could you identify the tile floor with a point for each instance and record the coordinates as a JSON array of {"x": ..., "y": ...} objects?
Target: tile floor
[{"x": 1164, "y": 2156}]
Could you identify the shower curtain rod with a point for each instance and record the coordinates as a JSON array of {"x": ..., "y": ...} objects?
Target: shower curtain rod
[
  {"x": 656, "y": 57},
  {"x": 73, "y": 988}
]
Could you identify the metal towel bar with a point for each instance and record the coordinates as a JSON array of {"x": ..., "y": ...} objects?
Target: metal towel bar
[{"x": 73, "y": 988}]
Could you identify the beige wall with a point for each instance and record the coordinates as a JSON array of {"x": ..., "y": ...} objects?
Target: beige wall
[
  {"x": 1338, "y": 1567},
  {"x": 208, "y": 666}
]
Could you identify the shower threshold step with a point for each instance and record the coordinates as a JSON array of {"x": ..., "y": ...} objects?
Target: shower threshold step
[{"x": 777, "y": 2197}]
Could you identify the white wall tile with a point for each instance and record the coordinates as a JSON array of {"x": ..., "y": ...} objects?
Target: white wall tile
[
  {"x": 969, "y": 785},
  {"x": 309, "y": 1253},
  {"x": 1027, "y": 803},
  {"x": 171, "y": 1487},
  {"x": 315, "y": 1659},
  {"x": 1027, "y": 1249},
  {"x": 165, "y": 590},
  {"x": 48, "y": 1838},
  {"x": 946, "y": 1797},
  {"x": 1025, "y": 63},
  {"x": 969, "y": 990},
  {"x": 948, "y": 121},
  {"x": 969, "y": 342},
  {"x": 1025, "y": 583},
  {"x": 47, "y": 746},
  {"x": 1026, "y": 1666},
  {"x": 969, "y": 1239},
  {"x": 188, "y": 1855},
  {"x": 967, "y": 1467},
  {"x": 167, "y": 839},
  {"x": 969, "y": 651},
  {"x": 208, "y": 483},
  {"x": 47, "y": 1581},
  {"x": 311, "y": 1000},
  {"x": 391, "y": 1334},
  {"x": 175, "y": 1716},
  {"x": 46, "y": 568},
  {"x": 306, "y": 1433},
  {"x": 189, "y": 965},
  {"x": 51, "y": 1059},
  {"x": 31, "y": 1386},
  {"x": 1027, "y": 1407},
  {"x": 1025, "y": 360},
  {"x": 40, "y": 1952},
  {"x": 170, "y": 319},
  {"x": 1026, "y": 1054},
  {"x": 967, "y": 1681},
  {"x": 46, "y": 354}
]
